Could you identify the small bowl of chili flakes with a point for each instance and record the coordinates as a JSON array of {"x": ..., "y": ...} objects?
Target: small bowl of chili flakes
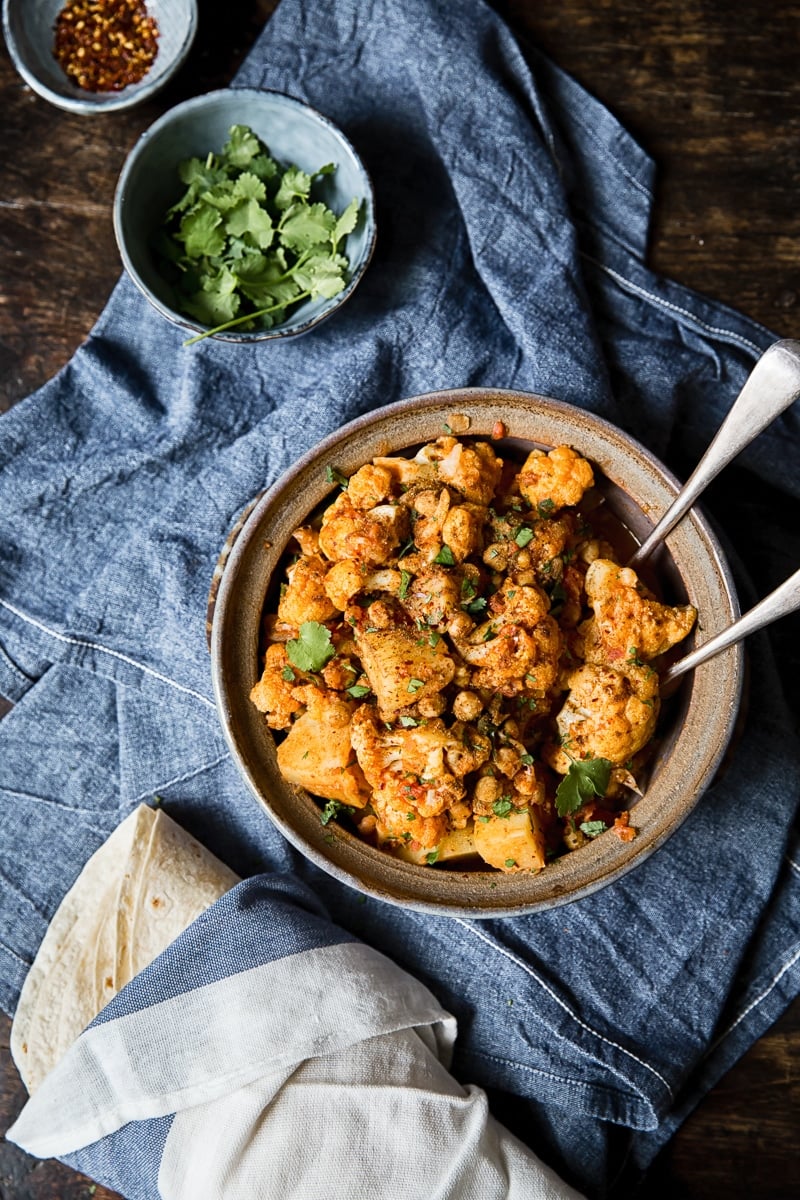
[{"x": 94, "y": 56}]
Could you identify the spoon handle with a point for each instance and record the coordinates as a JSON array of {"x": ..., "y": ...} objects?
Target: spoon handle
[
  {"x": 771, "y": 387},
  {"x": 784, "y": 600}
]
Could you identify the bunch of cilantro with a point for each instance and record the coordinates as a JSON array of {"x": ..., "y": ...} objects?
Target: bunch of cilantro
[{"x": 245, "y": 242}]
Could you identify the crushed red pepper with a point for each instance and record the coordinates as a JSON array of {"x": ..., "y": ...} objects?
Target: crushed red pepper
[{"x": 105, "y": 45}]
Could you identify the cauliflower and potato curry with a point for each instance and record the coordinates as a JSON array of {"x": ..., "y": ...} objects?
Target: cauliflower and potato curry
[{"x": 459, "y": 662}]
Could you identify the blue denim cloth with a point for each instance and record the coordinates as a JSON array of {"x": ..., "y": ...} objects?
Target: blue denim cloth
[{"x": 513, "y": 217}]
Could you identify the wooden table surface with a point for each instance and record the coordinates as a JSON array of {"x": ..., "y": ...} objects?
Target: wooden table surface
[{"x": 711, "y": 88}]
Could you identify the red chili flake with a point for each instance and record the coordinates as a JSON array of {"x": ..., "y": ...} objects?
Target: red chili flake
[
  {"x": 498, "y": 431},
  {"x": 105, "y": 45}
]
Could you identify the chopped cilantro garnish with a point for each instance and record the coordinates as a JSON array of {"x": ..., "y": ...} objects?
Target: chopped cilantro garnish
[
  {"x": 502, "y": 807},
  {"x": 409, "y": 722},
  {"x": 545, "y": 508},
  {"x": 526, "y": 759},
  {"x": 587, "y": 777},
  {"x": 405, "y": 580},
  {"x": 331, "y": 811},
  {"x": 358, "y": 690},
  {"x": 445, "y": 557},
  {"x": 334, "y": 476},
  {"x": 432, "y": 857},
  {"x": 510, "y": 862},
  {"x": 593, "y": 829},
  {"x": 288, "y": 674},
  {"x": 523, "y": 535},
  {"x": 312, "y": 649},
  {"x": 475, "y": 606},
  {"x": 415, "y": 684}
]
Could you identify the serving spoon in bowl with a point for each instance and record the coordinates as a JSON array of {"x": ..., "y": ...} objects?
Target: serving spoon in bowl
[
  {"x": 771, "y": 387},
  {"x": 779, "y": 603}
]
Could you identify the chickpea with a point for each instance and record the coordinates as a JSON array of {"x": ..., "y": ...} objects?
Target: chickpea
[
  {"x": 467, "y": 706},
  {"x": 432, "y": 706},
  {"x": 487, "y": 790}
]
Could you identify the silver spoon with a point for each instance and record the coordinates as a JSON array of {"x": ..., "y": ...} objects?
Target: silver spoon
[
  {"x": 784, "y": 600},
  {"x": 771, "y": 387}
]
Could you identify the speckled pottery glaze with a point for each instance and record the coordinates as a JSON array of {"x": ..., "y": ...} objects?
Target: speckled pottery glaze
[
  {"x": 294, "y": 133},
  {"x": 28, "y": 26},
  {"x": 696, "y": 724}
]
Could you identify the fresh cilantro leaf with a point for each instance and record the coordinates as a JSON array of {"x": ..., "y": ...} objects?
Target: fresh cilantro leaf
[
  {"x": 445, "y": 557},
  {"x": 200, "y": 233},
  {"x": 502, "y": 807},
  {"x": 288, "y": 674},
  {"x": 331, "y": 811},
  {"x": 358, "y": 690},
  {"x": 414, "y": 685},
  {"x": 545, "y": 508},
  {"x": 593, "y": 829},
  {"x": 312, "y": 649},
  {"x": 241, "y": 147},
  {"x": 346, "y": 222},
  {"x": 405, "y": 580},
  {"x": 409, "y": 722},
  {"x": 295, "y": 185},
  {"x": 510, "y": 862},
  {"x": 307, "y": 225},
  {"x": 587, "y": 777},
  {"x": 432, "y": 857},
  {"x": 523, "y": 535},
  {"x": 526, "y": 760}
]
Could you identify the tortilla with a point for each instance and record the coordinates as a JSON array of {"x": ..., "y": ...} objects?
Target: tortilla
[{"x": 136, "y": 894}]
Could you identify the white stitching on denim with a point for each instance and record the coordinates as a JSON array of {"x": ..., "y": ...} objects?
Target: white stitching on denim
[
  {"x": 73, "y": 641},
  {"x": 518, "y": 1066},
  {"x": 162, "y": 787},
  {"x": 26, "y": 962},
  {"x": 795, "y": 866},
  {"x": 726, "y": 334},
  {"x": 74, "y": 808},
  {"x": 529, "y": 970},
  {"x": 758, "y": 999}
]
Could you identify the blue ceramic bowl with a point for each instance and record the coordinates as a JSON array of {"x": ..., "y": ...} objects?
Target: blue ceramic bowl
[
  {"x": 28, "y": 26},
  {"x": 294, "y": 134}
]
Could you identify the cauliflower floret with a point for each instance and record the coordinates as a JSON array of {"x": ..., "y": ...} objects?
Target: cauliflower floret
[
  {"x": 627, "y": 624},
  {"x": 518, "y": 649},
  {"x": 474, "y": 470},
  {"x": 367, "y": 537},
  {"x": 346, "y": 579},
  {"x": 317, "y": 753},
  {"x": 523, "y": 605},
  {"x": 555, "y": 479},
  {"x": 402, "y": 667},
  {"x": 305, "y": 598},
  {"x": 434, "y": 596},
  {"x": 462, "y": 530},
  {"x": 412, "y": 786},
  {"x": 515, "y": 660},
  {"x": 369, "y": 486},
  {"x": 276, "y": 693},
  {"x": 607, "y": 714}
]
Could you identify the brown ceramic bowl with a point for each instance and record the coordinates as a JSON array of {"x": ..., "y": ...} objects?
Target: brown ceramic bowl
[{"x": 696, "y": 724}]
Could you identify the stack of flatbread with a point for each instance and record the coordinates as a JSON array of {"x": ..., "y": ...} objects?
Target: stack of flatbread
[{"x": 136, "y": 894}]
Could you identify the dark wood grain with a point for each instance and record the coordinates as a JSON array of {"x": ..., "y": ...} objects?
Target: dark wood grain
[{"x": 711, "y": 89}]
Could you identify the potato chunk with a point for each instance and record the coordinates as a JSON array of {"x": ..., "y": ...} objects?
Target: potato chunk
[
  {"x": 402, "y": 667},
  {"x": 317, "y": 753},
  {"x": 513, "y": 843}
]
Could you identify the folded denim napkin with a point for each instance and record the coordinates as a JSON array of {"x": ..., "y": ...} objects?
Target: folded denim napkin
[{"x": 513, "y": 214}]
